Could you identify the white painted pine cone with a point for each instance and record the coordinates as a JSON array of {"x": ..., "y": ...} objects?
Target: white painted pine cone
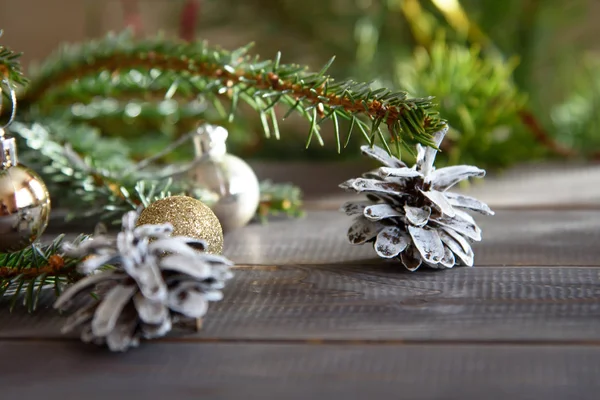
[
  {"x": 410, "y": 214},
  {"x": 158, "y": 279}
]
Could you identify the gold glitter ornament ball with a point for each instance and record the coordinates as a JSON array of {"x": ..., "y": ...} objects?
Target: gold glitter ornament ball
[{"x": 189, "y": 217}]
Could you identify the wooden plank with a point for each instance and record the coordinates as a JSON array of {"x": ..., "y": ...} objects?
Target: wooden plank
[
  {"x": 531, "y": 185},
  {"x": 542, "y": 185},
  {"x": 317, "y": 179},
  {"x": 526, "y": 237},
  {"x": 547, "y": 186},
  {"x": 273, "y": 371},
  {"x": 381, "y": 302},
  {"x": 509, "y": 238}
]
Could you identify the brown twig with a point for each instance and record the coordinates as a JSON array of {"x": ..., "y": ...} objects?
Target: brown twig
[
  {"x": 116, "y": 62},
  {"x": 55, "y": 267},
  {"x": 531, "y": 122},
  {"x": 4, "y": 71}
]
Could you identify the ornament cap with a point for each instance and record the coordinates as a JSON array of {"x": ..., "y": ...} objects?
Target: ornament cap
[
  {"x": 210, "y": 140},
  {"x": 8, "y": 151}
]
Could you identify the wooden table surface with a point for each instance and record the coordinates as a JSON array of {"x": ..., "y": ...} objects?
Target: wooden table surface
[{"x": 307, "y": 316}]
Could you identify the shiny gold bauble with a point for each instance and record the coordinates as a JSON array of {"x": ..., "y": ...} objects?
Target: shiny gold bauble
[
  {"x": 24, "y": 208},
  {"x": 189, "y": 217}
]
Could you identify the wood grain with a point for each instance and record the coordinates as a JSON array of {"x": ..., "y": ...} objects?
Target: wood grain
[
  {"x": 311, "y": 317},
  {"x": 557, "y": 185},
  {"x": 367, "y": 302},
  {"x": 524, "y": 237},
  {"x": 57, "y": 370},
  {"x": 509, "y": 238}
]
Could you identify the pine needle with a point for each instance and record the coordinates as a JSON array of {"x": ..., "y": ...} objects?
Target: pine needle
[
  {"x": 25, "y": 274},
  {"x": 81, "y": 73}
]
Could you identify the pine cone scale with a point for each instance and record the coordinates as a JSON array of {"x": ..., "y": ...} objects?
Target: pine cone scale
[
  {"x": 121, "y": 337},
  {"x": 454, "y": 246},
  {"x": 428, "y": 242},
  {"x": 403, "y": 173},
  {"x": 378, "y": 212},
  {"x": 448, "y": 260},
  {"x": 186, "y": 300},
  {"x": 411, "y": 259},
  {"x": 469, "y": 203},
  {"x": 177, "y": 263},
  {"x": 390, "y": 242},
  {"x": 417, "y": 216},
  {"x": 150, "y": 312},
  {"x": 439, "y": 201},
  {"x": 92, "y": 280},
  {"x": 80, "y": 317},
  {"x": 110, "y": 309},
  {"x": 382, "y": 156},
  {"x": 444, "y": 178},
  {"x": 362, "y": 231}
]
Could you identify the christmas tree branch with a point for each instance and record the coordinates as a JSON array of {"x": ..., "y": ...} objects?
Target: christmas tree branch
[
  {"x": 56, "y": 266},
  {"x": 25, "y": 273},
  {"x": 80, "y": 94},
  {"x": 105, "y": 183},
  {"x": 94, "y": 68},
  {"x": 10, "y": 67}
]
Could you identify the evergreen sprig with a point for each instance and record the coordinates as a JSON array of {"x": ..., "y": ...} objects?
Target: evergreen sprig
[
  {"x": 106, "y": 183},
  {"x": 88, "y": 186},
  {"x": 24, "y": 274},
  {"x": 118, "y": 66},
  {"x": 10, "y": 67}
]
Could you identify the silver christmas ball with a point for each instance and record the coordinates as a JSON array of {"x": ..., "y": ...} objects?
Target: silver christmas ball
[{"x": 226, "y": 183}]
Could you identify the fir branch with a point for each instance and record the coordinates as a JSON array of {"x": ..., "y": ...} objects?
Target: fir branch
[
  {"x": 82, "y": 184},
  {"x": 10, "y": 67},
  {"x": 106, "y": 183},
  {"x": 26, "y": 273},
  {"x": 208, "y": 72}
]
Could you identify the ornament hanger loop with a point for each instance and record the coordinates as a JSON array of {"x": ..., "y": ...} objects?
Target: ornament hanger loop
[{"x": 13, "y": 98}]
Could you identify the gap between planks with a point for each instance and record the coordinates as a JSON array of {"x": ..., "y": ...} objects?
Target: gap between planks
[
  {"x": 331, "y": 205},
  {"x": 370, "y": 263},
  {"x": 338, "y": 342}
]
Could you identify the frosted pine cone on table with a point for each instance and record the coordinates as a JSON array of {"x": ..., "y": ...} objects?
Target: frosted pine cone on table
[
  {"x": 159, "y": 280},
  {"x": 409, "y": 213}
]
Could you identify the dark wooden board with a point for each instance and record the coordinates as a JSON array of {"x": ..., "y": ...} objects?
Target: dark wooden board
[
  {"x": 317, "y": 318},
  {"x": 555, "y": 184},
  {"x": 58, "y": 370},
  {"x": 366, "y": 302},
  {"x": 560, "y": 185},
  {"x": 509, "y": 238}
]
